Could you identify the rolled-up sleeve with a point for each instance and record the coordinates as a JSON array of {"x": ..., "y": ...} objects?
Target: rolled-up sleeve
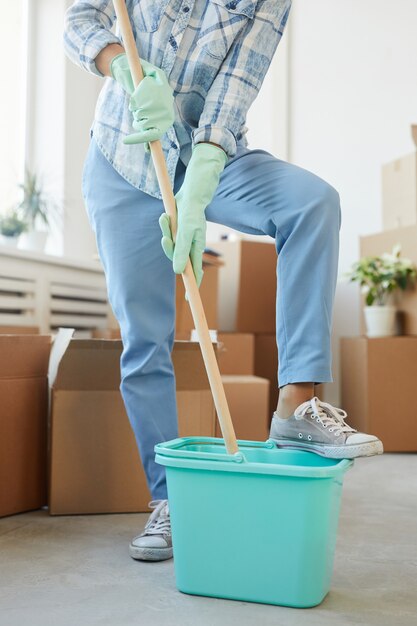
[
  {"x": 241, "y": 75},
  {"x": 87, "y": 30}
]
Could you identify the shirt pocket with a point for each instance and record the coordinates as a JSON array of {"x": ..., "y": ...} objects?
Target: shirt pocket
[
  {"x": 222, "y": 21},
  {"x": 147, "y": 14}
]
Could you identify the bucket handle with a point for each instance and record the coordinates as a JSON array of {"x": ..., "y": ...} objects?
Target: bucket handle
[
  {"x": 237, "y": 457},
  {"x": 174, "y": 449}
]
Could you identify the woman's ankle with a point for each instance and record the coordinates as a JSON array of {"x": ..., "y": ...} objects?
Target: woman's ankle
[{"x": 291, "y": 396}]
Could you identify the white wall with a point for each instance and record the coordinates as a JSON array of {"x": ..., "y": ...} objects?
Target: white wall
[{"x": 352, "y": 98}]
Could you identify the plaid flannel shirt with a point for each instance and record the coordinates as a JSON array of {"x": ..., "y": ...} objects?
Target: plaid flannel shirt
[{"x": 215, "y": 54}]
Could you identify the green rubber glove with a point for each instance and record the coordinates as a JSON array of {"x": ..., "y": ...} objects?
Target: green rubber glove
[
  {"x": 200, "y": 183},
  {"x": 151, "y": 103}
]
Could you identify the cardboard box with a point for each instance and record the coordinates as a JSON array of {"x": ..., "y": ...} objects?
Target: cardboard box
[
  {"x": 106, "y": 333},
  {"x": 23, "y": 422},
  {"x": 247, "y": 287},
  {"x": 247, "y": 397},
  {"x": 374, "y": 245},
  {"x": 95, "y": 465},
  {"x": 266, "y": 365},
  {"x": 236, "y": 353},
  {"x": 399, "y": 190},
  {"x": 378, "y": 388},
  {"x": 209, "y": 296},
  {"x": 19, "y": 330}
]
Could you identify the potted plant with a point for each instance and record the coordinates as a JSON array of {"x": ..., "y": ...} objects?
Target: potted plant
[
  {"x": 11, "y": 227},
  {"x": 36, "y": 210},
  {"x": 380, "y": 277}
]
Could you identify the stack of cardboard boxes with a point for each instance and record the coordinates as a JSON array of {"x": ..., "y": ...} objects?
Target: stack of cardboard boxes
[
  {"x": 246, "y": 393},
  {"x": 378, "y": 375},
  {"x": 23, "y": 420},
  {"x": 248, "y": 356},
  {"x": 247, "y": 296},
  {"x": 77, "y": 452},
  {"x": 244, "y": 302}
]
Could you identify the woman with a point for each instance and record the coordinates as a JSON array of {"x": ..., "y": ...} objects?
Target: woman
[{"x": 204, "y": 63}]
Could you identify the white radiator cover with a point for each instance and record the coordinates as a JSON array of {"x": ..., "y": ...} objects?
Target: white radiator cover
[{"x": 50, "y": 292}]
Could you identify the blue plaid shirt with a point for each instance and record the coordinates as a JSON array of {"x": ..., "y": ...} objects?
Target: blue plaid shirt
[{"x": 215, "y": 54}]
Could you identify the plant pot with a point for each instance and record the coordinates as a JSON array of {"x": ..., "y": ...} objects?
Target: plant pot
[
  {"x": 380, "y": 321},
  {"x": 34, "y": 240},
  {"x": 11, "y": 242}
]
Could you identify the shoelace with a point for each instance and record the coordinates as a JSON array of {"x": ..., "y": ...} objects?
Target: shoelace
[
  {"x": 159, "y": 521},
  {"x": 330, "y": 416}
]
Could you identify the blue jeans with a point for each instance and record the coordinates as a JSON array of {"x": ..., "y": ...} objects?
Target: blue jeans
[{"x": 258, "y": 194}]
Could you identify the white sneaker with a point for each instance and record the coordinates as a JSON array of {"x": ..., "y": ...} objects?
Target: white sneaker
[
  {"x": 155, "y": 543},
  {"x": 320, "y": 427}
]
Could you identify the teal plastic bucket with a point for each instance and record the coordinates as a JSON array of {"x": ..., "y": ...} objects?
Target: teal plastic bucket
[{"x": 257, "y": 526}]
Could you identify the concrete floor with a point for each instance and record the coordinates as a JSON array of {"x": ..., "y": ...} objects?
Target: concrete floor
[{"x": 75, "y": 570}]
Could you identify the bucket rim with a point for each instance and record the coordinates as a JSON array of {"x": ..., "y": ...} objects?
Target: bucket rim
[{"x": 173, "y": 454}]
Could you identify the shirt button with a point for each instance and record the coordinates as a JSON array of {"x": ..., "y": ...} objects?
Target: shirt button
[
  {"x": 174, "y": 145},
  {"x": 186, "y": 9}
]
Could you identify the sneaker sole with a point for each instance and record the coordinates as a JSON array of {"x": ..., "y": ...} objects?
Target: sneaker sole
[
  {"x": 353, "y": 451},
  {"x": 150, "y": 554}
]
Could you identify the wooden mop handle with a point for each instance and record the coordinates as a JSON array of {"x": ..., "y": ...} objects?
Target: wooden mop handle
[{"x": 188, "y": 277}]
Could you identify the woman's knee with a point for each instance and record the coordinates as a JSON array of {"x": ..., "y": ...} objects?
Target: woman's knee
[
  {"x": 324, "y": 203},
  {"x": 330, "y": 199}
]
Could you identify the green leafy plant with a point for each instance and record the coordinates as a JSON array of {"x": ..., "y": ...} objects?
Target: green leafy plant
[
  {"x": 35, "y": 206},
  {"x": 380, "y": 276},
  {"x": 11, "y": 225}
]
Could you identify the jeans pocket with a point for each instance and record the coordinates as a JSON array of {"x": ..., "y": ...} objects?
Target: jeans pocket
[
  {"x": 222, "y": 22},
  {"x": 147, "y": 14}
]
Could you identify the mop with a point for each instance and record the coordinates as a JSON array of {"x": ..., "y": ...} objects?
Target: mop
[
  {"x": 249, "y": 522},
  {"x": 188, "y": 277}
]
